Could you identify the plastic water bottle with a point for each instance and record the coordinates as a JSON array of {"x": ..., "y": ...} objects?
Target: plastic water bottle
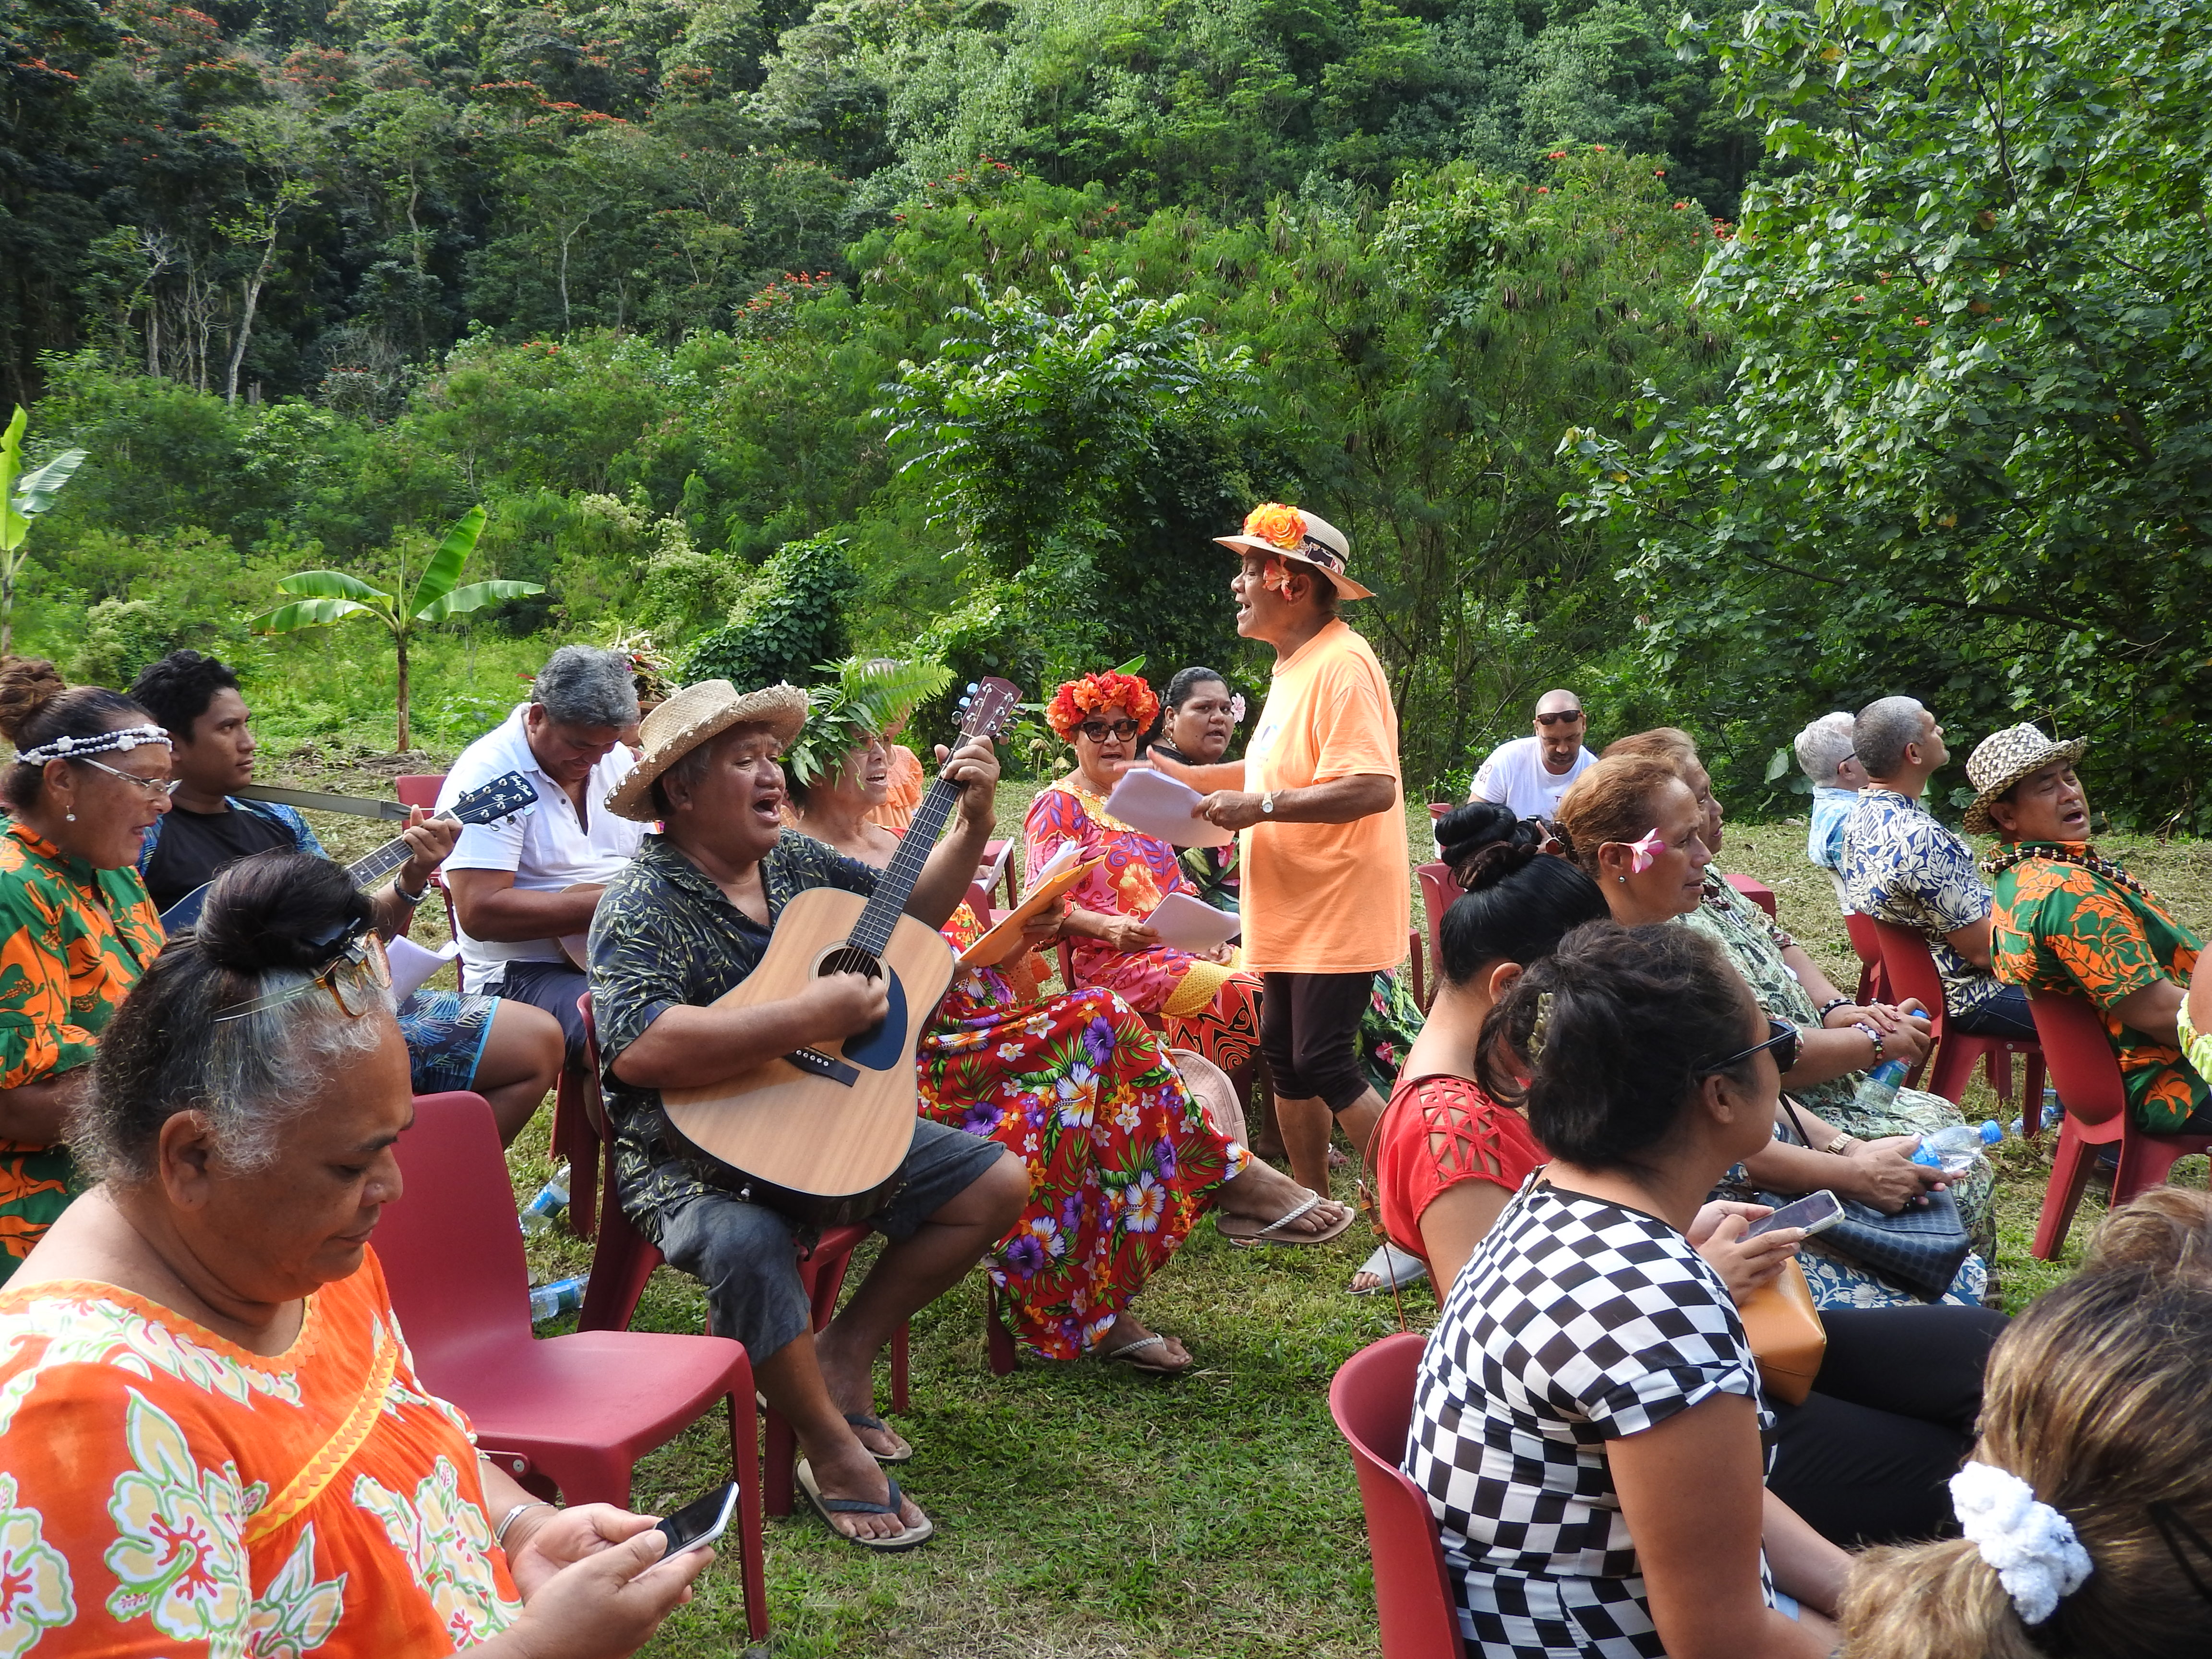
[
  {"x": 552, "y": 1198},
  {"x": 562, "y": 1295},
  {"x": 1879, "y": 1092},
  {"x": 2053, "y": 1109},
  {"x": 1953, "y": 1150}
]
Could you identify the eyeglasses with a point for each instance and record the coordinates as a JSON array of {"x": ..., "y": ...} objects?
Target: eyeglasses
[
  {"x": 1784, "y": 1040},
  {"x": 155, "y": 788},
  {"x": 1563, "y": 716},
  {"x": 357, "y": 978},
  {"x": 1099, "y": 730}
]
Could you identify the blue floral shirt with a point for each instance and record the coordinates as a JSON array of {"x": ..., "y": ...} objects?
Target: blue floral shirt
[
  {"x": 1901, "y": 866},
  {"x": 1824, "y": 840}
]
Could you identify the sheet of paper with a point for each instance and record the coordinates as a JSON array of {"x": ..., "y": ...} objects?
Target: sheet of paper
[
  {"x": 1190, "y": 924},
  {"x": 1156, "y": 804},
  {"x": 1059, "y": 872},
  {"x": 411, "y": 964}
]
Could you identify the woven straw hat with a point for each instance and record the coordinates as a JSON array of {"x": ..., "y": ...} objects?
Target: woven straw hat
[
  {"x": 688, "y": 718},
  {"x": 1306, "y": 537},
  {"x": 2002, "y": 759}
]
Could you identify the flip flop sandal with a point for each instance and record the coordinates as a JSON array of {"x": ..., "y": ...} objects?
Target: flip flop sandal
[
  {"x": 1243, "y": 1230},
  {"x": 830, "y": 1508},
  {"x": 862, "y": 1420},
  {"x": 1124, "y": 1354},
  {"x": 1387, "y": 1263}
]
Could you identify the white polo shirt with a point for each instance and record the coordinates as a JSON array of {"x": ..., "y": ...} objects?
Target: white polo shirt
[
  {"x": 1515, "y": 776},
  {"x": 548, "y": 849}
]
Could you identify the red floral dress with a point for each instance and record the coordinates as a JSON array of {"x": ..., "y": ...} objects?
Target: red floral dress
[{"x": 1122, "y": 1161}]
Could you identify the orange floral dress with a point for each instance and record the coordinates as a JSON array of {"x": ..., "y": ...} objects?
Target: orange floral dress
[
  {"x": 167, "y": 1492},
  {"x": 73, "y": 941}
]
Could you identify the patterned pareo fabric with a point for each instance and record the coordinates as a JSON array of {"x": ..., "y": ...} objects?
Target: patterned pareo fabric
[
  {"x": 2060, "y": 927},
  {"x": 168, "y": 1493},
  {"x": 73, "y": 941},
  {"x": 1575, "y": 1323}
]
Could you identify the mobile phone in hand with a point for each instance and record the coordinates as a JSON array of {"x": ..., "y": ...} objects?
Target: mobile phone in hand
[
  {"x": 699, "y": 1522},
  {"x": 1815, "y": 1213}
]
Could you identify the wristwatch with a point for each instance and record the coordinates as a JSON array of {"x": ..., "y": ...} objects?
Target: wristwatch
[{"x": 1268, "y": 804}]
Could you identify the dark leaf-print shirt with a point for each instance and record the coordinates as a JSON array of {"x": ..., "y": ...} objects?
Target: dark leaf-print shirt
[{"x": 665, "y": 934}]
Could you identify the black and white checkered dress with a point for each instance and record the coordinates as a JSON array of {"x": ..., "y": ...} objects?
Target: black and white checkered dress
[{"x": 1576, "y": 1321}]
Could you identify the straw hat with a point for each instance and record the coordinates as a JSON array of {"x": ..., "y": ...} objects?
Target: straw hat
[
  {"x": 1306, "y": 537},
  {"x": 2002, "y": 759},
  {"x": 688, "y": 718}
]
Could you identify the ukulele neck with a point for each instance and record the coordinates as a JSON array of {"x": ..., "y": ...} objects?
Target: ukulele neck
[{"x": 872, "y": 932}]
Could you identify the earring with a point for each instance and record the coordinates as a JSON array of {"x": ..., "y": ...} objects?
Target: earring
[
  {"x": 1623, "y": 880},
  {"x": 68, "y": 817}
]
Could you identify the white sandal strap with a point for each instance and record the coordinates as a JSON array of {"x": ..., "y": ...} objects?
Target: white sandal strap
[{"x": 1313, "y": 1199}]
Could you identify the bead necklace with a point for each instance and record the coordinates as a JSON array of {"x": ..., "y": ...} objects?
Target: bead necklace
[{"x": 2061, "y": 852}]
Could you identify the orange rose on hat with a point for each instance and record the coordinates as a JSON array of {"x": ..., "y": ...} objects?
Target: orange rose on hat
[{"x": 1289, "y": 532}]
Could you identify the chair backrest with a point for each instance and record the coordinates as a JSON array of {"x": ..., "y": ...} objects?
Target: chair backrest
[
  {"x": 1865, "y": 944},
  {"x": 418, "y": 788},
  {"x": 1440, "y": 890},
  {"x": 1910, "y": 966},
  {"x": 2077, "y": 1052},
  {"x": 451, "y": 1249},
  {"x": 1755, "y": 890},
  {"x": 1372, "y": 1398}
]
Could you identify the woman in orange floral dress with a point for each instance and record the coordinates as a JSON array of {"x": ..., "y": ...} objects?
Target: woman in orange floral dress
[{"x": 76, "y": 929}]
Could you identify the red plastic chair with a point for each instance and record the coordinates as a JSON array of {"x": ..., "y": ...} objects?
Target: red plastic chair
[
  {"x": 1440, "y": 890},
  {"x": 1865, "y": 944},
  {"x": 1755, "y": 890},
  {"x": 1372, "y": 1398},
  {"x": 2087, "y": 1077},
  {"x": 1911, "y": 970},
  {"x": 570, "y": 1412}
]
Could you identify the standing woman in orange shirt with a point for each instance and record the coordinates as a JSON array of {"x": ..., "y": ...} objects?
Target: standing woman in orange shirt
[{"x": 1327, "y": 897}]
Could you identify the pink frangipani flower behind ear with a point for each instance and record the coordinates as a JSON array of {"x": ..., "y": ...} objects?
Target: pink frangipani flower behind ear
[{"x": 1643, "y": 854}]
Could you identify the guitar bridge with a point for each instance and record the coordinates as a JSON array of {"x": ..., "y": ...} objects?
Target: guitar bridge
[{"x": 828, "y": 1067}]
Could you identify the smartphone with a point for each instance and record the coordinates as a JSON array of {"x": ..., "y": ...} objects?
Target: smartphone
[
  {"x": 701, "y": 1521},
  {"x": 1815, "y": 1213}
]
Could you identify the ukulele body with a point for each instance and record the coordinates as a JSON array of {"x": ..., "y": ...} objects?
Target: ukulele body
[{"x": 822, "y": 1139}]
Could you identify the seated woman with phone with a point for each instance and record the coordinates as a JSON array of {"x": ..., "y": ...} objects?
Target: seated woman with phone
[{"x": 1865, "y": 1457}]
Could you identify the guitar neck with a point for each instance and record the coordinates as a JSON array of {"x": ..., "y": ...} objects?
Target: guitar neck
[
  {"x": 896, "y": 885},
  {"x": 372, "y": 868}
]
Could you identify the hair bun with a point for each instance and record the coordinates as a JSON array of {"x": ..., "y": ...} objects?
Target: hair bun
[
  {"x": 279, "y": 911},
  {"x": 1484, "y": 842},
  {"x": 27, "y": 685}
]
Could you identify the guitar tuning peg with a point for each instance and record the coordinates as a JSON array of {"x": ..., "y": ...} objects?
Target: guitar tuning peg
[{"x": 973, "y": 688}]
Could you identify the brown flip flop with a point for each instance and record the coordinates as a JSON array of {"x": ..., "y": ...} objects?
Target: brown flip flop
[{"x": 1243, "y": 1230}]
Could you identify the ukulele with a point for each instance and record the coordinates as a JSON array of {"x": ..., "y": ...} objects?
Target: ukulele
[
  {"x": 507, "y": 796},
  {"x": 819, "y": 1135}
]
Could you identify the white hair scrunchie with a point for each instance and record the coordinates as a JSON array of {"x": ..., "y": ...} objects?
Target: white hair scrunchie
[{"x": 2029, "y": 1545}]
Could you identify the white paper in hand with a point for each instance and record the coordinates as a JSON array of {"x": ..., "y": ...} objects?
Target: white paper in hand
[
  {"x": 1189, "y": 924},
  {"x": 411, "y": 964},
  {"x": 1153, "y": 804}
]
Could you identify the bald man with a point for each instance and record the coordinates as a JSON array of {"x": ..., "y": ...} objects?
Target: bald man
[{"x": 1530, "y": 774}]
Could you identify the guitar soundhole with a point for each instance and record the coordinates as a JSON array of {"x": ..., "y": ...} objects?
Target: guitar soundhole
[{"x": 846, "y": 960}]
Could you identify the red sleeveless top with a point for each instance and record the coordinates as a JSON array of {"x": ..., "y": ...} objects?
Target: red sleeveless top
[{"x": 1435, "y": 1132}]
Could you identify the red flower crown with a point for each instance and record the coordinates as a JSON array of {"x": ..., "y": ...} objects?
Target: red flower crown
[{"x": 1096, "y": 692}]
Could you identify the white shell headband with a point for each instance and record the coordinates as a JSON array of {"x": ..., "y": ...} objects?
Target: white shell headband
[
  {"x": 125, "y": 737},
  {"x": 2030, "y": 1546}
]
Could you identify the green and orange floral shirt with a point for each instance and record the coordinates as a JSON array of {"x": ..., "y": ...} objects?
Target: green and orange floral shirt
[
  {"x": 2060, "y": 927},
  {"x": 73, "y": 941}
]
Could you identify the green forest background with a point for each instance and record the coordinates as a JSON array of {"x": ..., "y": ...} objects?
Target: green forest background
[{"x": 1729, "y": 367}]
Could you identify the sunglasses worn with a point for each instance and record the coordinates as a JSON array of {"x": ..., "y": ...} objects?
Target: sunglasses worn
[
  {"x": 1783, "y": 1038},
  {"x": 356, "y": 979},
  {"x": 1567, "y": 716},
  {"x": 1099, "y": 730},
  {"x": 153, "y": 788}
]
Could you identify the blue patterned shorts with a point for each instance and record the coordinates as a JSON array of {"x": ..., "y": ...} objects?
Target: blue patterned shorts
[{"x": 446, "y": 1032}]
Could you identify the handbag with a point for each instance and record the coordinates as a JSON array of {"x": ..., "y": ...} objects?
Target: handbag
[
  {"x": 1922, "y": 1247},
  {"x": 1787, "y": 1337}
]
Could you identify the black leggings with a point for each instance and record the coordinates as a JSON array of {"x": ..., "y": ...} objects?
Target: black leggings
[
  {"x": 1309, "y": 1033},
  {"x": 1867, "y": 1458}
]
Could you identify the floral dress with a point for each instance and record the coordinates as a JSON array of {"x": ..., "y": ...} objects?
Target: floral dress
[
  {"x": 1209, "y": 1007},
  {"x": 1122, "y": 1161},
  {"x": 1755, "y": 944},
  {"x": 169, "y": 1493},
  {"x": 73, "y": 941}
]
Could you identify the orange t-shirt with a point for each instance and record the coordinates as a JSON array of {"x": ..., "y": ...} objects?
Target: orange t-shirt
[{"x": 1326, "y": 898}]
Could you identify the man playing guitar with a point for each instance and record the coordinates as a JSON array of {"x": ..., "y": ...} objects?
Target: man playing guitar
[{"x": 683, "y": 924}]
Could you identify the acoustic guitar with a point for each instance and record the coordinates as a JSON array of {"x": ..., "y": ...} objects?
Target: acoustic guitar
[
  {"x": 507, "y": 796},
  {"x": 819, "y": 1135}
]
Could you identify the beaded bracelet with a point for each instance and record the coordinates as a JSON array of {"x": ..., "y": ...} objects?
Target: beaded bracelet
[
  {"x": 1873, "y": 1037},
  {"x": 1828, "y": 1008}
]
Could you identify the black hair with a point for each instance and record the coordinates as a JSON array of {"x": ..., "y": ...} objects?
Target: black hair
[
  {"x": 37, "y": 706},
  {"x": 1519, "y": 902},
  {"x": 270, "y": 921},
  {"x": 1187, "y": 680},
  {"x": 1632, "y": 1018},
  {"x": 177, "y": 689}
]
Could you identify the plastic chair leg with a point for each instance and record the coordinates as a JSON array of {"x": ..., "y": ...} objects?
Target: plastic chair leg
[
  {"x": 622, "y": 1261},
  {"x": 2000, "y": 1071},
  {"x": 744, "y": 1447},
  {"x": 2069, "y": 1174},
  {"x": 778, "y": 1482},
  {"x": 2146, "y": 1161},
  {"x": 2031, "y": 1097}
]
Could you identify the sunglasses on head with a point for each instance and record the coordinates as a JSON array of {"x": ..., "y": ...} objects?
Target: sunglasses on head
[
  {"x": 1561, "y": 716},
  {"x": 357, "y": 978},
  {"x": 1099, "y": 730},
  {"x": 1783, "y": 1038}
]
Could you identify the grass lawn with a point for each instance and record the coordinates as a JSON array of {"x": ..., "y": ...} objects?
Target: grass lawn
[{"x": 1087, "y": 1511}]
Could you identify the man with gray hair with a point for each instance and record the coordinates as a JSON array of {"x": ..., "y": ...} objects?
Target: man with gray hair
[
  {"x": 522, "y": 887},
  {"x": 1900, "y": 866},
  {"x": 1827, "y": 755}
]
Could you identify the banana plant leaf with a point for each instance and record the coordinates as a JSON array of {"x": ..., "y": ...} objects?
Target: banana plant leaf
[
  {"x": 306, "y": 613},
  {"x": 335, "y": 585},
  {"x": 445, "y": 568},
  {"x": 462, "y": 601},
  {"x": 37, "y": 491}
]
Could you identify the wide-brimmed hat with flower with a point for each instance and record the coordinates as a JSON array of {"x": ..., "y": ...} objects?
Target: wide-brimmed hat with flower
[
  {"x": 691, "y": 717},
  {"x": 1292, "y": 533},
  {"x": 2002, "y": 759}
]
